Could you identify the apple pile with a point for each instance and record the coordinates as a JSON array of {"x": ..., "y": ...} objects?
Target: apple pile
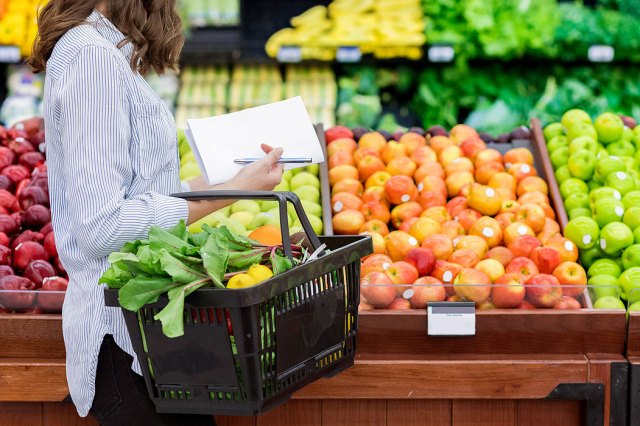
[
  {"x": 28, "y": 256},
  {"x": 450, "y": 219},
  {"x": 597, "y": 166},
  {"x": 244, "y": 216}
]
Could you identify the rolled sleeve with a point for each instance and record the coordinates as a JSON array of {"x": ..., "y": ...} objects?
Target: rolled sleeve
[{"x": 96, "y": 137}]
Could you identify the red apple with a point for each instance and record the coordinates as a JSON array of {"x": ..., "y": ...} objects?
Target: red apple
[
  {"x": 423, "y": 259},
  {"x": 425, "y": 290},
  {"x": 377, "y": 289},
  {"x": 546, "y": 259},
  {"x": 543, "y": 290},
  {"x": 501, "y": 254},
  {"x": 523, "y": 245},
  {"x": 399, "y": 304},
  {"x": 523, "y": 266},
  {"x": 567, "y": 303},
  {"x": 572, "y": 277},
  {"x": 472, "y": 285},
  {"x": 375, "y": 263},
  {"x": 508, "y": 291}
]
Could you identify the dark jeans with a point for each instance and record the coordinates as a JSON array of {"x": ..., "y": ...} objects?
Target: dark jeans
[{"x": 121, "y": 394}]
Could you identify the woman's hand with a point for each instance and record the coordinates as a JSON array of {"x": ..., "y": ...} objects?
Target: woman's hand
[{"x": 263, "y": 175}]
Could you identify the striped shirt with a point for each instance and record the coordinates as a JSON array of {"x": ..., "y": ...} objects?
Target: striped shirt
[{"x": 112, "y": 161}]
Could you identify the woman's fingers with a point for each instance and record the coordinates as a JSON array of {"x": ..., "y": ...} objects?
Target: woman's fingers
[{"x": 266, "y": 148}]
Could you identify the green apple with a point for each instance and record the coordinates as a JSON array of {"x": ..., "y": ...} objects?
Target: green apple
[
  {"x": 589, "y": 256},
  {"x": 636, "y": 235},
  {"x": 312, "y": 208},
  {"x": 582, "y": 129},
  {"x": 309, "y": 193},
  {"x": 621, "y": 181},
  {"x": 294, "y": 229},
  {"x": 602, "y": 194},
  {"x": 602, "y": 153},
  {"x": 557, "y": 142},
  {"x": 276, "y": 213},
  {"x": 631, "y": 256},
  {"x": 314, "y": 169},
  {"x": 627, "y": 134},
  {"x": 304, "y": 178},
  {"x": 631, "y": 199},
  {"x": 630, "y": 162},
  {"x": 621, "y": 148},
  {"x": 287, "y": 175},
  {"x": 296, "y": 171},
  {"x": 244, "y": 218},
  {"x": 575, "y": 116},
  {"x": 559, "y": 157},
  {"x": 582, "y": 164},
  {"x": 552, "y": 130},
  {"x": 583, "y": 231},
  {"x": 634, "y": 307},
  {"x": 593, "y": 184},
  {"x": 267, "y": 205},
  {"x": 189, "y": 171},
  {"x": 615, "y": 237},
  {"x": 576, "y": 200},
  {"x": 579, "y": 212},
  {"x": 606, "y": 166},
  {"x": 609, "y": 127},
  {"x": 283, "y": 186},
  {"x": 249, "y": 206},
  {"x": 631, "y": 217},
  {"x": 629, "y": 280},
  {"x": 604, "y": 285},
  {"x": 225, "y": 211},
  {"x": 562, "y": 174},
  {"x": 188, "y": 157},
  {"x": 609, "y": 302},
  {"x": 604, "y": 267},
  {"x": 572, "y": 186},
  {"x": 213, "y": 220},
  {"x": 583, "y": 142},
  {"x": 316, "y": 224},
  {"x": 607, "y": 211},
  {"x": 264, "y": 218},
  {"x": 234, "y": 226}
]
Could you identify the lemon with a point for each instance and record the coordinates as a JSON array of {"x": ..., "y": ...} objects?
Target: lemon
[
  {"x": 241, "y": 281},
  {"x": 259, "y": 273}
]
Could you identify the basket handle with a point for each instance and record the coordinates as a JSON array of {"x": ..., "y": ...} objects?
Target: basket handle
[{"x": 281, "y": 197}]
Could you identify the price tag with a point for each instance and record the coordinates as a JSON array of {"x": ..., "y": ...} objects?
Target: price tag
[
  {"x": 290, "y": 54},
  {"x": 451, "y": 319},
  {"x": 348, "y": 54},
  {"x": 601, "y": 53},
  {"x": 9, "y": 54},
  {"x": 441, "y": 53}
]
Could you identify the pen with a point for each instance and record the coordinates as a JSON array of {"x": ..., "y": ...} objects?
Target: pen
[{"x": 291, "y": 160}]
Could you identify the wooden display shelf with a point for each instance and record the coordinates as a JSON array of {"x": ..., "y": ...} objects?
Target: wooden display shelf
[{"x": 633, "y": 356}]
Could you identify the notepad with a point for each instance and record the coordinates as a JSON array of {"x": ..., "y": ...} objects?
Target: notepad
[{"x": 217, "y": 141}]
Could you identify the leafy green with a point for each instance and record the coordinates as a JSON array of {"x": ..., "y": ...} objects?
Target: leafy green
[
  {"x": 142, "y": 290},
  {"x": 215, "y": 255}
]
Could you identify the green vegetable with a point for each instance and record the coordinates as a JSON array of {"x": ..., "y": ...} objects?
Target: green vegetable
[{"x": 174, "y": 262}]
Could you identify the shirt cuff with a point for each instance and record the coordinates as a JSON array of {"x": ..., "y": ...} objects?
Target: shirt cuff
[
  {"x": 169, "y": 210},
  {"x": 185, "y": 186}
]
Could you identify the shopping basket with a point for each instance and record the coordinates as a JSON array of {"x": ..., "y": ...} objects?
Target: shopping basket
[{"x": 246, "y": 351}]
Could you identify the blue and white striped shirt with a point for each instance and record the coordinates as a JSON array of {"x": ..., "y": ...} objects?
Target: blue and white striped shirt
[{"x": 112, "y": 161}]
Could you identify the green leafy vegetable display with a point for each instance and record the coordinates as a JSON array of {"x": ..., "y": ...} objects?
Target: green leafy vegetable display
[{"x": 177, "y": 263}]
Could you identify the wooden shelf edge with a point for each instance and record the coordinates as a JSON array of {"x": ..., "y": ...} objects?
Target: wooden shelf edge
[{"x": 32, "y": 380}]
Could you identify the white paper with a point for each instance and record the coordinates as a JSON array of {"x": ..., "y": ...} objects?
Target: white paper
[{"x": 217, "y": 141}]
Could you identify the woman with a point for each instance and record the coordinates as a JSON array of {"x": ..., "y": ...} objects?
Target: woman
[{"x": 112, "y": 162}]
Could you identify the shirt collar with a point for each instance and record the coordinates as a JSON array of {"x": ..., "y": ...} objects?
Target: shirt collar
[{"x": 110, "y": 32}]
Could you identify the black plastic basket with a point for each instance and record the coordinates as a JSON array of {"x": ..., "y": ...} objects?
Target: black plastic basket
[{"x": 289, "y": 331}]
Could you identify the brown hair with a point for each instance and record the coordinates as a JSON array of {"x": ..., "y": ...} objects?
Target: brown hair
[{"x": 152, "y": 26}]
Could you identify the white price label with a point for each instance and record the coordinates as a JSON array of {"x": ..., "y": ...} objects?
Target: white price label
[
  {"x": 600, "y": 53},
  {"x": 442, "y": 53},
  {"x": 9, "y": 54},
  {"x": 348, "y": 54},
  {"x": 451, "y": 319},
  {"x": 290, "y": 54}
]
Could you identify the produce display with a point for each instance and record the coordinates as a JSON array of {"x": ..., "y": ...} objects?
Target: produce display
[
  {"x": 452, "y": 218},
  {"x": 597, "y": 168},
  {"x": 217, "y": 13},
  {"x": 18, "y": 23},
  {"x": 32, "y": 278},
  {"x": 177, "y": 263},
  {"x": 384, "y": 28},
  {"x": 250, "y": 217}
]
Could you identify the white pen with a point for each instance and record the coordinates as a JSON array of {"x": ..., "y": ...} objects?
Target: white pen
[{"x": 282, "y": 160}]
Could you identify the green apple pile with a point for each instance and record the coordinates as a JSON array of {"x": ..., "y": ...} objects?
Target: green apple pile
[
  {"x": 244, "y": 216},
  {"x": 597, "y": 166}
]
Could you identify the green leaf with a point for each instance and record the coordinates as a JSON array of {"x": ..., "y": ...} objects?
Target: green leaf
[
  {"x": 179, "y": 271},
  {"x": 280, "y": 264},
  {"x": 198, "y": 239},
  {"x": 132, "y": 261},
  {"x": 179, "y": 230},
  {"x": 142, "y": 290},
  {"x": 116, "y": 276},
  {"x": 215, "y": 255},
  {"x": 159, "y": 238},
  {"x": 241, "y": 260},
  {"x": 151, "y": 259},
  {"x": 171, "y": 316}
]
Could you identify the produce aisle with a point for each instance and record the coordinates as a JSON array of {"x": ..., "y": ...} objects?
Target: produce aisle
[{"x": 491, "y": 151}]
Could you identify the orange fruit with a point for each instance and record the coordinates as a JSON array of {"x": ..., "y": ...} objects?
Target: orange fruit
[{"x": 268, "y": 235}]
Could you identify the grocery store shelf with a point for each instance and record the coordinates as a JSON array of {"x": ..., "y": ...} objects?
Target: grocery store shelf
[
  {"x": 33, "y": 379},
  {"x": 9, "y": 54},
  {"x": 31, "y": 336}
]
